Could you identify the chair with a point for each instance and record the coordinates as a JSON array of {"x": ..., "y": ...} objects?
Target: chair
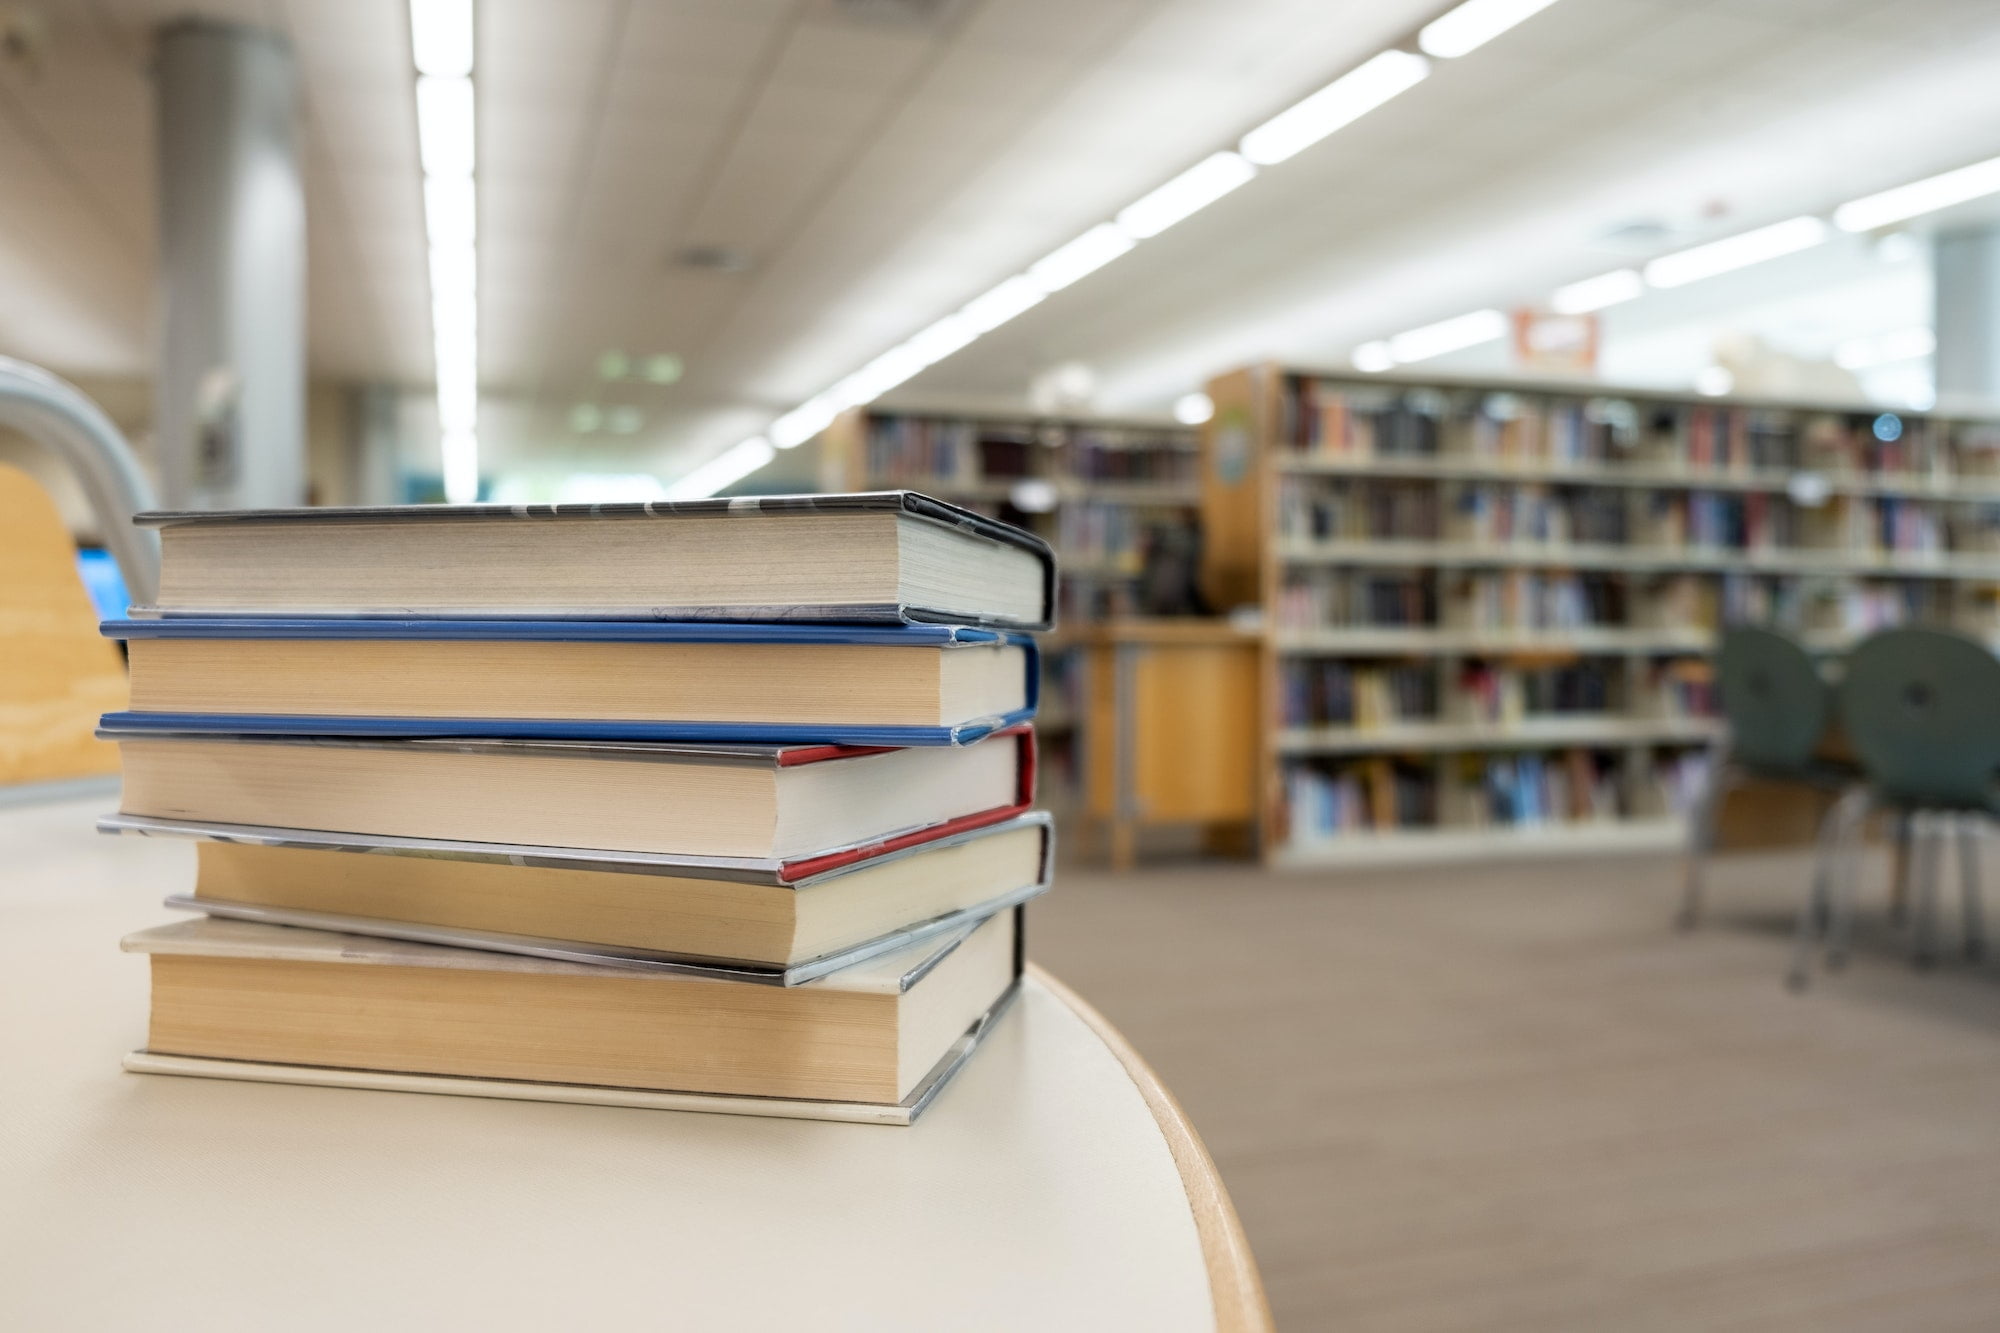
[
  {"x": 1922, "y": 710},
  {"x": 1778, "y": 709}
]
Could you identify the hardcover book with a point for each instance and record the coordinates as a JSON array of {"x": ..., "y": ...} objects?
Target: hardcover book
[
  {"x": 879, "y": 557},
  {"x": 578, "y": 680},
  {"x": 233, "y": 999},
  {"x": 777, "y": 922},
  {"x": 739, "y": 804}
]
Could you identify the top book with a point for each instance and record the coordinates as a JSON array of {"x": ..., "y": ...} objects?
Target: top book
[{"x": 890, "y": 556}]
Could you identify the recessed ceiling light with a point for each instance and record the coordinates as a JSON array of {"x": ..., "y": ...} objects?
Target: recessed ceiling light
[
  {"x": 613, "y": 365},
  {"x": 586, "y": 419},
  {"x": 624, "y": 420},
  {"x": 1191, "y": 409},
  {"x": 661, "y": 369},
  {"x": 712, "y": 259}
]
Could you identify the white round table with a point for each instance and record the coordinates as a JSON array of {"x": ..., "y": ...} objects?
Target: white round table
[{"x": 1054, "y": 1185}]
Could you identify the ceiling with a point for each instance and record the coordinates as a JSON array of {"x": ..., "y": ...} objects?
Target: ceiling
[{"x": 878, "y": 173}]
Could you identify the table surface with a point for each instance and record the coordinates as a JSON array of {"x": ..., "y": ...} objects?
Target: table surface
[{"x": 1047, "y": 1187}]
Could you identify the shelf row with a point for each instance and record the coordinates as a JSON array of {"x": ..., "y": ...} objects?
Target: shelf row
[
  {"x": 1398, "y": 552},
  {"x": 1532, "y": 733},
  {"x": 1980, "y": 489},
  {"x": 1431, "y": 846}
]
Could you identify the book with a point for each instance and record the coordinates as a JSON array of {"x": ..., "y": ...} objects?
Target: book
[
  {"x": 589, "y": 680},
  {"x": 882, "y": 1032},
  {"x": 739, "y": 804},
  {"x": 879, "y": 557},
  {"x": 784, "y": 923}
]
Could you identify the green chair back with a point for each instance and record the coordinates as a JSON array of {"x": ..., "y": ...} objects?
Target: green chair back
[
  {"x": 1775, "y": 700},
  {"x": 1922, "y": 709}
]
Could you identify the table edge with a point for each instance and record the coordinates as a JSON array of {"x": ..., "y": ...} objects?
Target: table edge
[{"x": 1236, "y": 1289}]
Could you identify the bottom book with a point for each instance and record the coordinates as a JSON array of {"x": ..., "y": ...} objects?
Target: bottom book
[{"x": 873, "y": 1043}]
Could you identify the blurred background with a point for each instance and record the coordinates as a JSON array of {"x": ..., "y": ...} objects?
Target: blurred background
[{"x": 1481, "y": 442}]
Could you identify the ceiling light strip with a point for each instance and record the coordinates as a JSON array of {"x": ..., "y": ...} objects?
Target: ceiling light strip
[
  {"x": 441, "y": 45},
  {"x": 1340, "y": 103}
]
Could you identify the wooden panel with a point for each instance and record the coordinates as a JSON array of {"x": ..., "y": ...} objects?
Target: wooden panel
[
  {"x": 56, "y": 674},
  {"x": 1234, "y": 449},
  {"x": 1100, "y": 751},
  {"x": 1194, "y": 719},
  {"x": 843, "y": 447},
  {"x": 1770, "y": 814}
]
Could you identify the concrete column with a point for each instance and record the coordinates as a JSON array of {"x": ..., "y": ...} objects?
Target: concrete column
[
  {"x": 1965, "y": 269},
  {"x": 230, "y": 405}
]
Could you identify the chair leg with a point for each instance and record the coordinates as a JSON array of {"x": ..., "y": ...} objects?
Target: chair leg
[
  {"x": 1899, "y": 877},
  {"x": 1969, "y": 828},
  {"x": 1924, "y": 907},
  {"x": 1816, "y": 913},
  {"x": 1701, "y": 841},
  {"x": 1846, "y": 886}
]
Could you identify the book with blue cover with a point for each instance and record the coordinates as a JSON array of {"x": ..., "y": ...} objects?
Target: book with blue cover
[{"x": 765, "y": 684}]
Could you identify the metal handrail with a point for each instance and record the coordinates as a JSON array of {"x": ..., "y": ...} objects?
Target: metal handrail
[{"x": 61, "y": 416}]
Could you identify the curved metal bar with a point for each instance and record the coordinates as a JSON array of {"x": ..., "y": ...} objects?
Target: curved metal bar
[{"x": 57, "y": 413}]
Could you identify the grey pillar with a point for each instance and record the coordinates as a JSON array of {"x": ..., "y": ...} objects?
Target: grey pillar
[
  {"x": 1965, "y": 268},
  {"x": 230, "y": 398}
]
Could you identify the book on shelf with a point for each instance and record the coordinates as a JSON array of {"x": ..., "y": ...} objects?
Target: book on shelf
[
  {"x": 567, "y": 679},
  {"x": 882, "y": 557},
  {"x": 782, "y": 922},
  {"x": 259, "y": 999},
  {"x": 734, "y": 802},
  {"x": 1571, "y": 786}
]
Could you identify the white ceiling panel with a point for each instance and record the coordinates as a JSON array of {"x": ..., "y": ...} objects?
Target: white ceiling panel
[{"x": 874, "y": 175}]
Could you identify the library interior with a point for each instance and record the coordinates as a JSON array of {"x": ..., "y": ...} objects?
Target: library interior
[{"x": 1404, "y": 609}]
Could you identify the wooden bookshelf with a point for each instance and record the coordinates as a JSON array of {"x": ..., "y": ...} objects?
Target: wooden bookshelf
[
  {"x": 1103, "y": 492},
  {"x": 1489, "y": 608}
]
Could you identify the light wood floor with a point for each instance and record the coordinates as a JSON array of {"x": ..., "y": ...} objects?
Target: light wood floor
[{"x": 1510, "y": 1097}]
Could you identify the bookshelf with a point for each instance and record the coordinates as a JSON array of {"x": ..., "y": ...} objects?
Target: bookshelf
[
  {"x": 1489, "y": 608},
  {"x": 1117, "y": 499}
]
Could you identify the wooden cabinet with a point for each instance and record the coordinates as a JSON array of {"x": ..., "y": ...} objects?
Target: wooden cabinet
[{"x": 1171, "y": 727}]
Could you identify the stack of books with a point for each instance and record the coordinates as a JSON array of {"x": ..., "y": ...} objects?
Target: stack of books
[{"x": 716, "y": 804}]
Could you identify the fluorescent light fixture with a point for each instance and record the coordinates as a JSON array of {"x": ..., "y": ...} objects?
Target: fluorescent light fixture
[
  {"x": 802, "y": 423},
  {"x": 731, "y": 465},
  {"x": 441, "y": 37},
  {"x": 1188, "y": 193},
  {"x": 988, "y": 312},
  {"x": 1473, "y": 24},
  {"x": 1342, "y": 102},
  {"x": 1734, "y": 252},
  {"x": 454, "y": 275},
  {"x": 450, "y": 212},
  {"x": 941, "y": 339},
  {"x": 1084, "y": 255},
  {"x": 609, "y": 488},
  {"x": 1885, "y": 349},
  {"x": 1918, "y": 197},
  {"x": 1191, "y": 409},
  {"x": 1714, "y": 381},
  {"x": 1606, "y": 289},
  {"x": 460, "y": 449},
  {"x": 445, "y": 136},
  {"x": 884, "y": 373},
  {"x": 1448, "y": 335},
  {"x": 1374, "y": 358}
]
